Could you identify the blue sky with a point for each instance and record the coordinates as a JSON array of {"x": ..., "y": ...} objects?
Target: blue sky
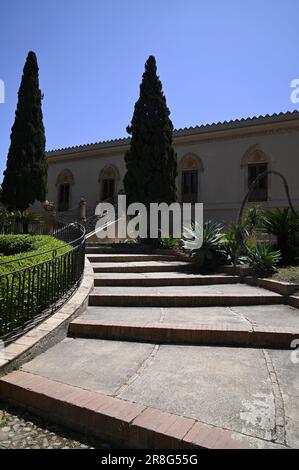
[{"x": 217, "y": 60}]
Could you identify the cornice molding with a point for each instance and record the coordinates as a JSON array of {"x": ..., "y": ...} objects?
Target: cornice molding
[{"x": 288, "y": 122}]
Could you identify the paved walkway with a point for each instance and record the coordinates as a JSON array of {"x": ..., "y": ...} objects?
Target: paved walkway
[{"x": 161, "y": 392}]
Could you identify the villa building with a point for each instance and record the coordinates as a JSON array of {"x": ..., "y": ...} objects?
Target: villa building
[{"x": 216, "y": 165}]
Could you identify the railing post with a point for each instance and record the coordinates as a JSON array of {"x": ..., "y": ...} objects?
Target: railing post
[
  {"x": 82, "y": 212},
  {"x": 50, "y": 217}
]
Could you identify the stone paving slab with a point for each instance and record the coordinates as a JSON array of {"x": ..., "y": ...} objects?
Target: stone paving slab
[
  {"x": 141, "y": 266},
  {"x": 128, "y": 258},
  {"x": 101, "y": 366},
  {"x": 216, "y": 289},
  {"x": 231, "y": 388},
  {"x": 266, "y": 315},
  {"x": 161, "y": 279},
  {"x": 183, "y": 296}
]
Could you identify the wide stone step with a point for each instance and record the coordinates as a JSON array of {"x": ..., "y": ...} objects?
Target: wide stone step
[
  {"x": 141, "y": 267},
  {"x": 119, "y": 249},
  {"x": 183, "y": 296},
  {"x": 151, "y": 395},
  {"x": 170, "y": 333},
  {"x": 255, "y": 326},
  {"x": 120, "y": 421},
  {"x": 158, "y": 279},
  {"x": 126, "y": 258}
]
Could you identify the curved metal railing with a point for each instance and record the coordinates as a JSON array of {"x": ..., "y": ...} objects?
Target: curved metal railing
[{"x": 30, "y": 294}]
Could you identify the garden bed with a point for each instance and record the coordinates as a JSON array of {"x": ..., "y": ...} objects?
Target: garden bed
[
  {"x": 42, "y": 251},
  {"x": 288, "y": 274}
]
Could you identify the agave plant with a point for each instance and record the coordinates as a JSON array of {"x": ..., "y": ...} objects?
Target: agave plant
[
  {"x": 283, "y": 224},
  {"x": 265, "y": 258},
  {"x": 204, "y": 243}
]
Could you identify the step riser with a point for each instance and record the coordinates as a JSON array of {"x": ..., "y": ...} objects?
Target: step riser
[
  {"x": 162, "y": 282},
  {"x": 165, "y": 301},
  {"x": 124, "y": 423},
  {"x": 141, "y": 269},
  {"x": 78, "y": 419},
  {"x": 192, "y": 336}
]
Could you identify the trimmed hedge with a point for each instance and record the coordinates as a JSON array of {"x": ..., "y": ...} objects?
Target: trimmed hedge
[{"x": 38, "y": 245}]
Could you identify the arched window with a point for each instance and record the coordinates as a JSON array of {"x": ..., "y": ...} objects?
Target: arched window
[
  {"x": 190, "y": 168},
  {"x": 256, "y": 162},
  {"x": 109, "y": 181},
  {"x": 64, "y": 184}
]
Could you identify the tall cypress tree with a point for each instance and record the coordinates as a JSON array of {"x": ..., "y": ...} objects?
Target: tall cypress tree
[
  {"x": 25, "y": 177},
  {"x": 151, "y": 160}
]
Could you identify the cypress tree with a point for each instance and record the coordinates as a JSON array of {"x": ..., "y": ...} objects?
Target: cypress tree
[
  {"x": 25, "y": 177},
  {"x": 151, "y": 160}
]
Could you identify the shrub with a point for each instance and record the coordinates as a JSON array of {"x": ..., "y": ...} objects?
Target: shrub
[
  {"x": 231, "y": 246},
  {"x": 210, "y": 254},
  {"x": 14, "y": 244},
  {"x": 169, "y": 243},
  {"x": 253, "y": 219},
  {"x": 265, "y": 258},
  {"x": 283, "y": 224},
  {"x": 26, "y": 218}
]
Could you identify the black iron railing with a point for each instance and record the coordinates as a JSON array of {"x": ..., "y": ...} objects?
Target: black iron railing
[{"x": 30, "y": 294}]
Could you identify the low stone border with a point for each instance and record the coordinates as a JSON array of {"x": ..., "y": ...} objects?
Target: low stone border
[
  {"x": 293, "y": 300},
  {"x": 283, "y": 288},
  {"x": 241, "y": 271},
  {"x": 51, "y": 331},
  {"x": 124, "y": 422}
]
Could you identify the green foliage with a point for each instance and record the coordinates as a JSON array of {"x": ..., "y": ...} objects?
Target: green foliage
[
  {"x": 231, "y": 246},
  {"x": 25, "y": 218},
  {"x": 284, "y": 224},
  {"x": 25, "y": 293},
  {"x": 210, "y": 254},
  {"x": 265, "y": 258},
  {"x": 169, "y": 243},
  {"x": 4, "y": 215},
  {"x": 25, "y": 177},
  {"x": 253, "y": 219},
  {"x": 151, "y": 160},
  {"x": 14, "y": 244},
  {"x": 39, "y": 253}
]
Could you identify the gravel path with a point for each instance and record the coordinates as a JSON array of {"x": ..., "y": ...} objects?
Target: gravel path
[{"x": 21, "y": 430}]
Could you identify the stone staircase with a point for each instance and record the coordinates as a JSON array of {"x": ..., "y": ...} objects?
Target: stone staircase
[{"x": 163, "y": 357}]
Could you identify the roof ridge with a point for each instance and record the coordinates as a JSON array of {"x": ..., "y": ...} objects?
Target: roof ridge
[{"x": 181, "y": 130}]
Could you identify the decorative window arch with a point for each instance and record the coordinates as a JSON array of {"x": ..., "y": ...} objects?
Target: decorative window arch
[
  {"x": 64, "y": 183},
  {"x": 254, "y": 162},
  {"x": 109, "y": 178},
  {"x": 189, "y": 175}
]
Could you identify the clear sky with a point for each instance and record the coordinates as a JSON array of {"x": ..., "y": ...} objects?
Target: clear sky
[{"x": 218, "y": 60}]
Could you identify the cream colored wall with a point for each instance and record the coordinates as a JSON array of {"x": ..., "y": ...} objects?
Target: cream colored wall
[
  {"x": 223, "y": 181},
  {"x": 86, "y": 172}
]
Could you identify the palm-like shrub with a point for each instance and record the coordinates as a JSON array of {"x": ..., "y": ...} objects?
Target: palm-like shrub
[
  {"x": 265, "y": 258},
  {"x": 205, "y": 247},
  {"x": 284, "y": 224},
  {"x": 26, "y": 218},
  {"x": 253, "y": 219},
  {"x": 231, "y": 246}
]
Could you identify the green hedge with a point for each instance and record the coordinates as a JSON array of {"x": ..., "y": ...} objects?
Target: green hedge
[
  {"x": 26, "y": 293},
  {"x": 38, "y": 245}
]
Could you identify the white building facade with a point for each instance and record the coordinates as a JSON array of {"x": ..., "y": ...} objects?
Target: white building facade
[{"x": 216, "y": 164}]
